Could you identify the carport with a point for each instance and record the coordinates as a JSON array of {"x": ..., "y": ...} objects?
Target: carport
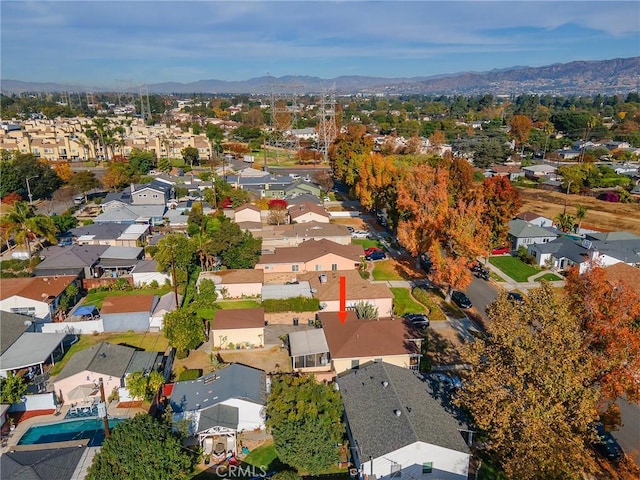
[{"x": 32, "y": 349}]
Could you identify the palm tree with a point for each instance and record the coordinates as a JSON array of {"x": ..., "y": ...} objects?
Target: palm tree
[
  {"x": 22, "y": 221},
  {"x": 565, "y": 222},
  {"x": 581, "y": 212}
]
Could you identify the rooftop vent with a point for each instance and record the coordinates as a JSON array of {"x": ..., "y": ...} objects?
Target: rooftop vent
[
  {"x": 397, "y": 412},
  {"x": 385, "y": 384}
]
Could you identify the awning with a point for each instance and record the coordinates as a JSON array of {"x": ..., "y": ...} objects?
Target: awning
[
  {"x": 30, "y": 349},
  {"x": 82, "y": 391},
  {"x": 308, "y": 342}
]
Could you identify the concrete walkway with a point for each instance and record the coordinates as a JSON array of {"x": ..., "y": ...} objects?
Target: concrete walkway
[{"x": 510, "y": 284}]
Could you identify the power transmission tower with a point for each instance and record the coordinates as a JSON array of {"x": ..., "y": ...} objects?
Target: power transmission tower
[
  {"x": 284, "y": 111},
  {"x": 145, "y": 107},
  {"x": 327, "y": 125}
]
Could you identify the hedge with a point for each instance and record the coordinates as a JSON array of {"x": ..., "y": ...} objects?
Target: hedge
[{"x": 295, "y": 304}]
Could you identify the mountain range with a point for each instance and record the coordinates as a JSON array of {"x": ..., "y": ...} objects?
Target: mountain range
[{"x": 615, "y": 76}]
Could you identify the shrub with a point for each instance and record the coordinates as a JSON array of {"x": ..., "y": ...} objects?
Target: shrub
[
  {"x": 189, "y": 374},
  {"x": 435, "y": 312},
  {"x": 296, "y": 304}
]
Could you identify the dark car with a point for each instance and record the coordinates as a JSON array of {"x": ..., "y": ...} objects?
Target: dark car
[
  {"x": 515, "y": 296},
  {"x": 376, "y": 256},
  {"x": 607, "y": 445},
  {"x": 370, "y": 250},
  {"x": 461, "y": 299},
  {"x": 417, "y": 319}
]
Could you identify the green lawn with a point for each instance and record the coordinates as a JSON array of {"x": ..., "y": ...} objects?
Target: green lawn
[
  {"x": 552, "y": 277},
  {"x": 403, "y": 302},
  {"x": 264, "y": 455},
  {"x": 384, "y": 270},
  {"x": 155, "y": 341},
  {"x": 513, "y": 267},
  {"x": 367, "y": 242},
  {"x": 227, "y": 305},
  {"x": 97, "y": 298}
]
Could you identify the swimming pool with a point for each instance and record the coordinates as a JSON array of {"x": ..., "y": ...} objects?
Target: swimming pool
[{"x": 91, "y": 428}]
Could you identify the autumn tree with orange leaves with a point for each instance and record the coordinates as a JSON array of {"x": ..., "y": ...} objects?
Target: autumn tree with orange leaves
[
  {"x": 374, "y": 177},
  {"x": 431, "y": 221},
  {"x": 520, "y": 128},
  {"x": 345, "y": 154},
  {"x": 502, "y": 203}
]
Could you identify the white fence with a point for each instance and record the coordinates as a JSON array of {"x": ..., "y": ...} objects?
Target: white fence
[
  {"x": 78, "y": 328},
  {"x": 40, "y": 401},
  {"x": 345, "y": 214}
]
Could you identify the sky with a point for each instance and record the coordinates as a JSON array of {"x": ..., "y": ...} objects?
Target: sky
[{"x": 108, "y": 43}]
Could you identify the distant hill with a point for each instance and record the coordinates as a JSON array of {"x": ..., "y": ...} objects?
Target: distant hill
[{"x": 620, "y": 75}]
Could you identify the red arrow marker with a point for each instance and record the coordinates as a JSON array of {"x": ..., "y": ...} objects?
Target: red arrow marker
[{"x": 343, "y": 300}]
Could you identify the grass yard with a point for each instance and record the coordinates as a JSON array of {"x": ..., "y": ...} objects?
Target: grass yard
[
  {"x": 367, "y": 243},
  {"x": 513, "y": 267},
  {"x": 264, "y": 455},
  {"x": 552, "y": 277},
  {"x": 209, "y": 313},
  {"x": 155, "y": 341},
  {"x": 97, "y": 298},
  {"x": 386, "y": 270},
  {"x": 403, "y": 302}
]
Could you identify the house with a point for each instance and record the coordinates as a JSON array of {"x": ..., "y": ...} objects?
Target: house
[
  {"x": 54, "y": 461},
  {"x": 85, "y": 368},
  {"x": 512, "y": 172},
  {"x": 536, "y": 172},
  {"x": 278, "y": 236},
  {"x": 308, "y": 212},
  {"x": 397, "y": 429},
  {"x": 221, "y": 404},
  {"x": 246, "y": 213},
  {"x": 38, "y": 297},
  {"x": 238, "y": 328},
  {"x": 235, "y": 283},
  {"x": 115, "y": 234},
  {"x": 146, "y": 272},
  {"x": 311, "y": 256},
  {"x": 154, "y": 193},
  {"x": 166, "y": 303},
  {"x": 121, "y": 314},
  {"x": 301, "y": 188},
  {"x": 326, "y": 288},
  {"x": 309, "y": 351},
  {"x": 133, "y": 214},
  {"x": 623, "y": 273},
  {"x": 22, "y": 347},
  {"x": 535, "y": 219},
  {"x": 76, "y": 260},
  {"x": 119, "y": 261},
  {"x": 523, "y": 233},
  {"x": 359, "y": 340}
]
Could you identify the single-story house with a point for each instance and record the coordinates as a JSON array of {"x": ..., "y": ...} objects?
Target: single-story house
[
  {"x": 302, "y": 188},
  {"x": 38, "y": 297},
  {"x": 221, "y": 404},
  {"x": 292, "y": 235},
  {"x": 146, "y": 271},
  {"x": 130, "y": 214},
  {"x": 22, "y": 347},
  {"x": 512, "y": 172},
  {"x": 235, "y": 283},
  {"x": 80, "y": 377},
  {"x": 312, "y": 256},
  {"x": 308, "y": 212},
  {"x": 522, "y": 233},
  {"x": 309, "y": 351},
  {"x": 360, "y": 340},
  {"x": 78, "y": 260},
  {"x": 538, "y": 171},
  {"x": 118, "y": 261},
  {"x": 124, "y": 313},
  {"x": 623, "y": 273},
  {"x": 237, "y": 328},
  {"x": 326, "y": 288},
  {"x": 247, "y": 213},
  {"x": 166, "y": 304},
  {"x": 397, "y": 429},
  {"x": 54, "y": 461},
  {"x": 114, "y": 234},
  {"x": 535, "y": 219}
]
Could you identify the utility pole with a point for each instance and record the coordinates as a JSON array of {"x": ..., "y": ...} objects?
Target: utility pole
[
  {"x": 29, "y": 188},
  {"x": 105, "y": 420},
  {"x": 173, "y": 275}
]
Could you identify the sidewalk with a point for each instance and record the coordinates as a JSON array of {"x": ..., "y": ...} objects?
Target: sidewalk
[{"x": 510, "y": 284}]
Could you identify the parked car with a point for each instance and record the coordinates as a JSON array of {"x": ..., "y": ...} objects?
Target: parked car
[
  {"x": 449, "y": 381},
  {"x": 351, "y": 229},
  {"x": 376, "y": 256},
  {"x": 500, "y": 251},
  {"x": 360, "y": 234},
  {"x": 419, "y": 320},
  {"x": 370, "y": 250},
  {"x": 461, "y": 299},
  {"x": 607, "y": 445},
  {"x": 515, "y": 296}
]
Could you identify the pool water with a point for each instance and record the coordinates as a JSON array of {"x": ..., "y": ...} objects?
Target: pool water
[{"x": 91, "y": 428}]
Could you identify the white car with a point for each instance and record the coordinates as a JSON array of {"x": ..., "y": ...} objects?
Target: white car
[
  {"x": 449, "y": 381},
  {"x": 360, "y": 234}
]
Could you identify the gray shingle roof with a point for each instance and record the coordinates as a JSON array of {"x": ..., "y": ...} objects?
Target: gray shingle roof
[
  {"x": 12, "y": 326},
  {"x": 142, "y": 361},
  {"x": 49, "y": 464},
  {"x": 218, "y": 416},
  {"x": 105, "y": 358},
  {"x": 233, "y": 381},
  {"x": 79, "y": 256},
  {"x": 522, "y": 229},
  {"x": 371, "y": 410}
]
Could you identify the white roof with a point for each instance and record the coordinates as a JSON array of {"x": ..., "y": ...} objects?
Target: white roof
[
  {"x": 308, "y": 342},
  {"x": 86, "y": 238},
  {"x": 30, "y": 349}
]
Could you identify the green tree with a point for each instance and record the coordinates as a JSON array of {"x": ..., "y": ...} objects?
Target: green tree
[
  {"x": 175, "y": 254},
  {"x": 206, "y": 296},
  {"x": 22, "y": 221},
  {"x": 64, "y": 222},
  {"x": 243, "y": 254},
  {"x": 528, "y": 388},
  {"x": 43, "y": 180},
  {"x": 141, "y": 161},
  {"x": 490, "y": 151},
  {"x": 190, "y": 155},
  {"x": 184, "y": 330},
  {"x": 305, "y": 419},
  {"x": 12, "y": 388},
  {"x": 565, "y": 222},
  {"x": 143, "y": 386},
  {"x": 82, "y": 182},
  {"x": 141, "y": 448}
]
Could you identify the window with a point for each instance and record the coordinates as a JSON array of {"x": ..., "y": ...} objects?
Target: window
[
  {"x": 25, "y": 310},
  {"x": 318, "y": 267},
  {"x": 295, "y": 268},
  {"x": 427, "y": 467},
  {"x": 334, "y": 267},
  {"x": 396, "y": 470},
  {"x": 355, "y": 363}
]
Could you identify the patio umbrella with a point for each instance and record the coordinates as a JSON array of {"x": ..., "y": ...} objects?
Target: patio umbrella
[{"x": 83, "y": 391}]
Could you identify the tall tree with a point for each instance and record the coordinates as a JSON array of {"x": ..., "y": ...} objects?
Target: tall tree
[
  {"x": 141, "y": 448},
  {"x": 22, "y": 221},
  {"x": 581, "y": 212},
  {"x": 346, "y": 152},
  {"x": 84, "y": 181},
  {"x": 528, "y": 388},
  {"x": 374, "y": 177},
  {"x": 184, "y": 330},
  {"x": 305, "y": 419},
  {"x": 610, "y": 313},
  {"x": 502, "y": 204},
  {"x": 190, "y": 155},
  {"x": 43, "y": 180},
  {"x": 520, "y": 128}
]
